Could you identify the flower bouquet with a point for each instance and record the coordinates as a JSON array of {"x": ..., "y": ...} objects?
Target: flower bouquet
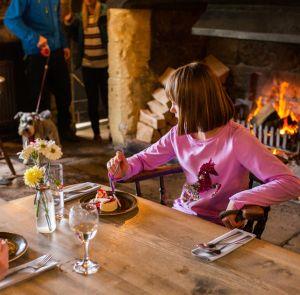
[{"x": 40, "y": 153}]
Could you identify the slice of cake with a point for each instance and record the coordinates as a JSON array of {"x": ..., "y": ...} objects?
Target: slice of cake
[{"x": 105, "y": 202}]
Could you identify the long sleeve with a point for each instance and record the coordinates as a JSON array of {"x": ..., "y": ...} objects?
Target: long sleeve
[
  {"x": 157, "y": 154},
  {"x": 14, "y": 22},
  {"x": 62, "y": 36},
  {"x": 72, "y": 27},
  {"x": 279, "y": 182}
]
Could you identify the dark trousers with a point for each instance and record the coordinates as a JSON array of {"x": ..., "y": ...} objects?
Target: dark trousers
[
  {"x": 57, "y": 82},
  {"x": 95, "y": 81}
]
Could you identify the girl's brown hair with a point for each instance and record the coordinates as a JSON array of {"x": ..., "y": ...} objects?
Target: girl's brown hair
[{"x": 202, "y": 102}]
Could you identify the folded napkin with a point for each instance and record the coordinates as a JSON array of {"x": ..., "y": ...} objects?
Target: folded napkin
[
  {"x": 239, "y": 237},
  {"x": 27, "y": 273},
  {"x": 78, "y": 190}
]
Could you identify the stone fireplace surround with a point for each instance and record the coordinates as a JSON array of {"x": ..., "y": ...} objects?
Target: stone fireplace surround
[{"x": 146, "y": 37}]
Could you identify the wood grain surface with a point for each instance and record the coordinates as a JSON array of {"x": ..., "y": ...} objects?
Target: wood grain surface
[{"x": 149, "y": 252}]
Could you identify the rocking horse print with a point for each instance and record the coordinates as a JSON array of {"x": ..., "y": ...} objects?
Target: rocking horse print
[{"x": 203, "y": 184}]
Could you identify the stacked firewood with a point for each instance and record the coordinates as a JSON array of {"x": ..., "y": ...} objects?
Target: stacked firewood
[{"x": 157, "y": 120}]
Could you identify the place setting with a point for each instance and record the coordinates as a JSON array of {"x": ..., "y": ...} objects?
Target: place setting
[{"x": 222, "y": 245}]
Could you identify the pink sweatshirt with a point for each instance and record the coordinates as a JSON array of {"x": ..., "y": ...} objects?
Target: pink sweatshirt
[{"x": 231, "y": 153}]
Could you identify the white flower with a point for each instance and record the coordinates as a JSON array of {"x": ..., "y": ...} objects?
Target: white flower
[
  {"x": 41, "y": 146},
  {"x": 27, "y": 152},
  {"x": 53, "y": 152}
]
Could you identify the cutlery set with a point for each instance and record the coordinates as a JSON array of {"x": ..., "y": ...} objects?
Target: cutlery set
[{"x": 222, "y": 245}]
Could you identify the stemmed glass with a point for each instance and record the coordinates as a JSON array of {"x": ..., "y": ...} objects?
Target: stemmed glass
[{"x": 83, "y": 220}]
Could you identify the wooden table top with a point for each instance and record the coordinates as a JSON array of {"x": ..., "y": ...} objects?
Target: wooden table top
[{"x": 149, "y": 252}]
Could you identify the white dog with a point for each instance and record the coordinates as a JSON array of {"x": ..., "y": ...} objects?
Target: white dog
[{"x": 33, "y": 125}]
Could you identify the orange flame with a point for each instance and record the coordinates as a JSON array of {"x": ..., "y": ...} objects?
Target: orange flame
[
  {"x": 281, "y": 105},
  {"x": 259, "y": 105},
  {"x": 288, "y": 129}
]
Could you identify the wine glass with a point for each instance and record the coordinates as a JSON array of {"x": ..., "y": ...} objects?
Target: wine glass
[{"x": 83, "y": 220}]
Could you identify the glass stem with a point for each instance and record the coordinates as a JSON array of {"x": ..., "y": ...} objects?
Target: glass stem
[{"x": 86, "y": 250}]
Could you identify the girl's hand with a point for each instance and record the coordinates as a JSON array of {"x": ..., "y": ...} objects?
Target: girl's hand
[
  {"x": 229, "y": 221},
  {"x": 3, "y": 259},
  {"x": 118, "y": 166}
]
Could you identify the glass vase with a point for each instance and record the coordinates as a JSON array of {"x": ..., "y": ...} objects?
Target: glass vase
[{"x": 44, "y": 210}]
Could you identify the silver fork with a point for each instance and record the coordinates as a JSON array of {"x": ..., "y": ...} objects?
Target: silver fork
[{"x": 36, "y": 267}]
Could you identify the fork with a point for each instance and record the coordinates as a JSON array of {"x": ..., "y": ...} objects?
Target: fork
[
  {"x": 113, "y": 188},
  {"x": 36, "y": 267},
  {"x": 219, "y": 251},
  {"x": 213, "y": 245}
]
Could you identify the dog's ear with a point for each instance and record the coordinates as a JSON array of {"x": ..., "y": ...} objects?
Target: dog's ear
[
  {"x": 18, "y": 115},
  {"x": 45, "y": 114}
]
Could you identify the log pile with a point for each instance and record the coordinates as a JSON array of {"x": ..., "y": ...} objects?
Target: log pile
[{"x": 156, "y": 120}]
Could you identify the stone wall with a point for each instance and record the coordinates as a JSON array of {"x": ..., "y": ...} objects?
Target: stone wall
[
  {"x": 130, "y": 80},
  {"x": 268, "y": 59}
]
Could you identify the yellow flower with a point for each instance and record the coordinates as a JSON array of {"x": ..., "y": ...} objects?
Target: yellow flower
[{"x": 33, "y": 176}]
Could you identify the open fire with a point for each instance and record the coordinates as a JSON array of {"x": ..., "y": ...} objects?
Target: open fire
[{"x": 278, "y": 102}]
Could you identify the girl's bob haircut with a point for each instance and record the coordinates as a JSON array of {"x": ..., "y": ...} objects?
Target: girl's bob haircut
[{"x": 202, "y": 102}]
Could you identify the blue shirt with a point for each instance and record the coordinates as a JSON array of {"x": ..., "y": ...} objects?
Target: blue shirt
[{"x": 30, "y": 19}]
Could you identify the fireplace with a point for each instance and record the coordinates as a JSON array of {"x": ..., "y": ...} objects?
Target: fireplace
[{"x": 257, "y": 40}]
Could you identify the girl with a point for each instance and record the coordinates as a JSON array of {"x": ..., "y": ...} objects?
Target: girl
[
  {"x": 89, "y": 30},
  {"x": 215, "y": 153}
]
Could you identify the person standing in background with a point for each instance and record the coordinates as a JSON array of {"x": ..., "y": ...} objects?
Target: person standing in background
[
  {"x": 89, "y": 30},
  {"x": 37, "y": 24}
]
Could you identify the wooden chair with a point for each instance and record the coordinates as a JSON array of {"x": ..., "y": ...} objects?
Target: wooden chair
[{"x": 256, "y": 222}]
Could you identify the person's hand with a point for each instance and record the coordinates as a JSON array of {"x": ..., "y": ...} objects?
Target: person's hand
[
  {"x": 43, "y": 42},
  {"x": 67, "y": 53},
  {"x": 229, "y": 221},
  {"x": 3, "y": 259},
  {"x": 68, "y": 17},
  {"x": 118, "y": 166}
]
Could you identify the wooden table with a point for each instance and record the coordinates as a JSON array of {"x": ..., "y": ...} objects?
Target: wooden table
[{"x": 149, "y": 253}]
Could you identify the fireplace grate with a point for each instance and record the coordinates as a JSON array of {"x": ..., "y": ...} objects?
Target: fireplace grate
[{"x": 272, "y": 137}]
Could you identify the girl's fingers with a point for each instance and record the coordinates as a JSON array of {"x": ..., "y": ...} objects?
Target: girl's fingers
[{"x": 227, "y": 223}]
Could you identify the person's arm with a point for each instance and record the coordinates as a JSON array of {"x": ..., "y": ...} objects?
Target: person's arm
[
  {"x": 62, "y": 37},
  {"x": 14, "y": 22},
  {"x": 71, "y": 25},
  {"x": 3, "y": 259},
  {"x": 279, "y": 182},
  {"x": 157, "y": 154}
]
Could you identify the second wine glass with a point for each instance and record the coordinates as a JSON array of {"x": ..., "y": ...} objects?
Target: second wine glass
[{"x": 83, "y": 220}]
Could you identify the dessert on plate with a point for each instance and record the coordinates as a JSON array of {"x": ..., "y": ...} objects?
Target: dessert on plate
[{"x": 105, "y": 202}]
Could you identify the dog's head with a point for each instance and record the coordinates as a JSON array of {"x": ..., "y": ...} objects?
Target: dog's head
[{"x": 27, "y": 123}]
